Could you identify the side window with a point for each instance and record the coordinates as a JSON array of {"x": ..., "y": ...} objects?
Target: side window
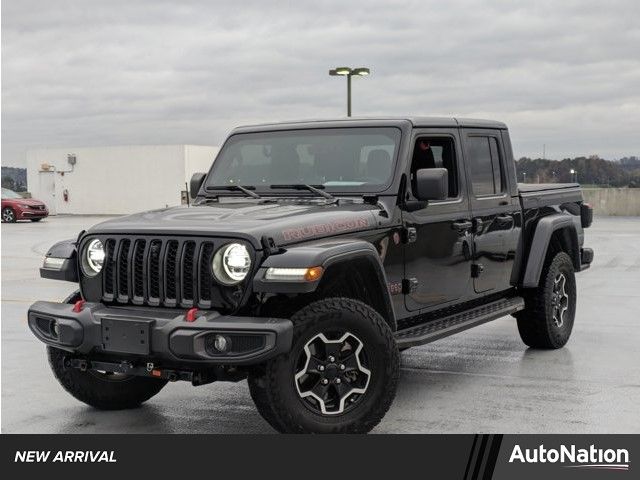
[
  {"x": 436, "y": 152},
  {"x": 485, "y": 166}
]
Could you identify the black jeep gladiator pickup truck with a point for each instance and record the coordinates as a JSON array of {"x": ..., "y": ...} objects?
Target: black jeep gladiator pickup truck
[{"x": 313, "y": 253}]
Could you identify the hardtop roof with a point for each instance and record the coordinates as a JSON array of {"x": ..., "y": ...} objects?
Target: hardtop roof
[{"x": 450, "y": 122}]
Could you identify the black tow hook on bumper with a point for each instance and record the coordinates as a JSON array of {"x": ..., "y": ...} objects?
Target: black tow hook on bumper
[{"x": 159, "y": 335}]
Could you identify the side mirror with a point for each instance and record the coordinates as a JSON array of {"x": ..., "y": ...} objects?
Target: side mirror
[
  {"x": 196, "y": 182},
  {"x": 432, "y": 184}
]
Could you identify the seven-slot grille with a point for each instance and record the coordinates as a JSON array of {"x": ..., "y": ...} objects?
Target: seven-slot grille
[{"x": 156, "y": 271}]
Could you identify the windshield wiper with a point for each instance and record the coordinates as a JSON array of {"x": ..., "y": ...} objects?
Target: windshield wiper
[
  {"x": 303, "y": 186},
  {"x": 236, "y": 188}
]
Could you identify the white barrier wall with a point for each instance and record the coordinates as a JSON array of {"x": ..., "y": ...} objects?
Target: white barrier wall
[
  {"x": 613, "y": 201},
  {"x": 114, "y": 180}
]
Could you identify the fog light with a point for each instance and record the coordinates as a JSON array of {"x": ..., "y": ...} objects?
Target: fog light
[{"x": 221, "y": 343}]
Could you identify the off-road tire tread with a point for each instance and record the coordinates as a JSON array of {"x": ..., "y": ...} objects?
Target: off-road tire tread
[
  {"x": 259, "y": 396},
  {"x": 532, "y": 321},
  {"x": 99, "y": 393},
  {"x": 310, "y": 316}
]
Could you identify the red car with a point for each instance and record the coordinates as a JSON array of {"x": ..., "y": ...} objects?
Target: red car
[{"x": 14, "y": 207}]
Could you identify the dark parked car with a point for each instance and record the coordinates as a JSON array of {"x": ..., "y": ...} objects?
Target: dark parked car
[
  {"x": 14, "y": 208},
  {"x": 312, "y": 254}
]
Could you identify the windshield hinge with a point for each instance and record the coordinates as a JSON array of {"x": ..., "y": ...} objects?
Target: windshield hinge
[{"x": 269, "y": 246}]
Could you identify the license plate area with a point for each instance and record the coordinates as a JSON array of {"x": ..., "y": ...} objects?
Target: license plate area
[{"x": 126, "y": 336}]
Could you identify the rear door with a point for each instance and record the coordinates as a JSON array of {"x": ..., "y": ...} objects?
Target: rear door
[{"x": 495, "y": 214}]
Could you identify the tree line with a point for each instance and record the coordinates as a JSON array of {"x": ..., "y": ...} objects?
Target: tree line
[
  {"x": 14, "y": 178},
  {"x": 591, "y": 170}
]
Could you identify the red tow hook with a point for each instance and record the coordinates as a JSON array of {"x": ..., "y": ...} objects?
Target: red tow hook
[
  {"x": 191, "y": 315},
  {"x": 78, "y": 306}
]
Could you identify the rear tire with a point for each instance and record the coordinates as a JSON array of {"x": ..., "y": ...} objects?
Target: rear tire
[
  {"x": 547, "y": 320},
  {"x": 340, "y": 375},
  {"x": 102, "y": 390}
]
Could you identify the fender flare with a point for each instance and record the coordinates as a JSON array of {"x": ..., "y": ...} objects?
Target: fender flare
[
  {"x": 66, "y": 250},
  {"x": 324, "y": 254},
  {"x": 544, "y": 229}
]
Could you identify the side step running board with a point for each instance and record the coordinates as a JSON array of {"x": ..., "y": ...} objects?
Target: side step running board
[{"x": 439, "y": 328}]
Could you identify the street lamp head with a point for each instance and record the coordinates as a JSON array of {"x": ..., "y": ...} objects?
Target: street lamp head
[
  {"x": 362, "y": 71},
  {"x": 349, "y": 72},
  {"x": 572, "y": 171},
  {"x": 340, "y": 71}
]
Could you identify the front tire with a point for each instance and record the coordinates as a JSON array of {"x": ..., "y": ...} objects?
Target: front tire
[
  {"x": 550, "y": 309},
  {"x": 105, "y": 391},
  {"x": 8, "y": 215},
  {"x": 259, "y": 395},
  {"x": 340, "y": 375}
]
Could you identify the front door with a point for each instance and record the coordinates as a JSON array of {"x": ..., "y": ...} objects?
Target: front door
[
  {"x": 495, "y": 213},
  {"x": 438, "y": 252}
]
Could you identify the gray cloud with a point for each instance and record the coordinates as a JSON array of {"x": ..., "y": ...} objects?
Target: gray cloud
[{"x": 81, "y": 72}]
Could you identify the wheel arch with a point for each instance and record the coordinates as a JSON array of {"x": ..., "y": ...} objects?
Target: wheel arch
[
  {"x": 558, "y": 232},
  {"x": 361, "y": 277},
  {"x": 352, "y": 269}
]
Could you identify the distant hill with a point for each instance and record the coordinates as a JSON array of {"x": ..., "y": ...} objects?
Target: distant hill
[
  {"x": 14, "y": 178},
  {"x": 591, "y": 170}
]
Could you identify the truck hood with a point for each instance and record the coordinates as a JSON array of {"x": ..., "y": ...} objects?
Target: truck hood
[{"x": 285, "y": 221}]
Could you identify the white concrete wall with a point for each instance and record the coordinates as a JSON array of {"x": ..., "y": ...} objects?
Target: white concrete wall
[
  {"x": 115, "y": 180},
  {"x": 198, "y": 158},
  {"x": 613, "y": 201}
]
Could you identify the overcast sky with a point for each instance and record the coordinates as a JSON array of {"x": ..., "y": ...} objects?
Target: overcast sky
[{"x": 85, "y": 73}]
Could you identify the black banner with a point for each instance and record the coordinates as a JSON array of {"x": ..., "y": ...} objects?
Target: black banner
[{"x": 465, "y": 457}]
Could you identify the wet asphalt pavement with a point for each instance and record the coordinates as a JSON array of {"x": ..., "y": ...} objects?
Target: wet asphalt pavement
[{"x": 483, "y": 380}]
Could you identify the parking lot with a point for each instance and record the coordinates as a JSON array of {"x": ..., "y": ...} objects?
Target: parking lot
[{"x": 483, "y": 380}]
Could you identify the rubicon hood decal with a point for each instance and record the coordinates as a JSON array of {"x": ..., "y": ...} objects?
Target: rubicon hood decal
[{"x": 322, "y": 229}]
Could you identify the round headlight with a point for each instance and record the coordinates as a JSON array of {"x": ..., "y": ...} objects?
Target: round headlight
[
  {"x": 93, "y": 257},
  {"x": 231, "y": 263}
]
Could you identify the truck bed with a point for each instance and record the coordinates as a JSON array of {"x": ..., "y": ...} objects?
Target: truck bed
[{"x": 534, "y": 195}]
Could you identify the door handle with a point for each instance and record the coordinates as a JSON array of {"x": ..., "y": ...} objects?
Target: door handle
[
  {"x": 504, "y": 220},
  {"x": 462, "y": 225}
]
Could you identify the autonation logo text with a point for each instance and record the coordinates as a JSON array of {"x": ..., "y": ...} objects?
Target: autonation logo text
[{"x": 573, "y": 457}]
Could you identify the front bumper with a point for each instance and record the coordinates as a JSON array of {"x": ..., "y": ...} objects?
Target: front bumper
[
  {"x": 27, "y": 214},
  {"x": 159, "y": 334}
]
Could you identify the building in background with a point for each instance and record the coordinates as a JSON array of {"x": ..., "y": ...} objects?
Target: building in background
[{"x": 114, "y": 180}]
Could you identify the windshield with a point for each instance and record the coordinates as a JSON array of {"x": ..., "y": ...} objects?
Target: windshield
[
  {"x": 6, "y": 193},
  {"x": 339, "y": 159}
]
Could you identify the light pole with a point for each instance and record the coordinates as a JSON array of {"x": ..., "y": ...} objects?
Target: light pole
[
  {"x": 524, "y": 177},
  {"x": 349, "y": 72},
  {"x": 574, "y": 175}
]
